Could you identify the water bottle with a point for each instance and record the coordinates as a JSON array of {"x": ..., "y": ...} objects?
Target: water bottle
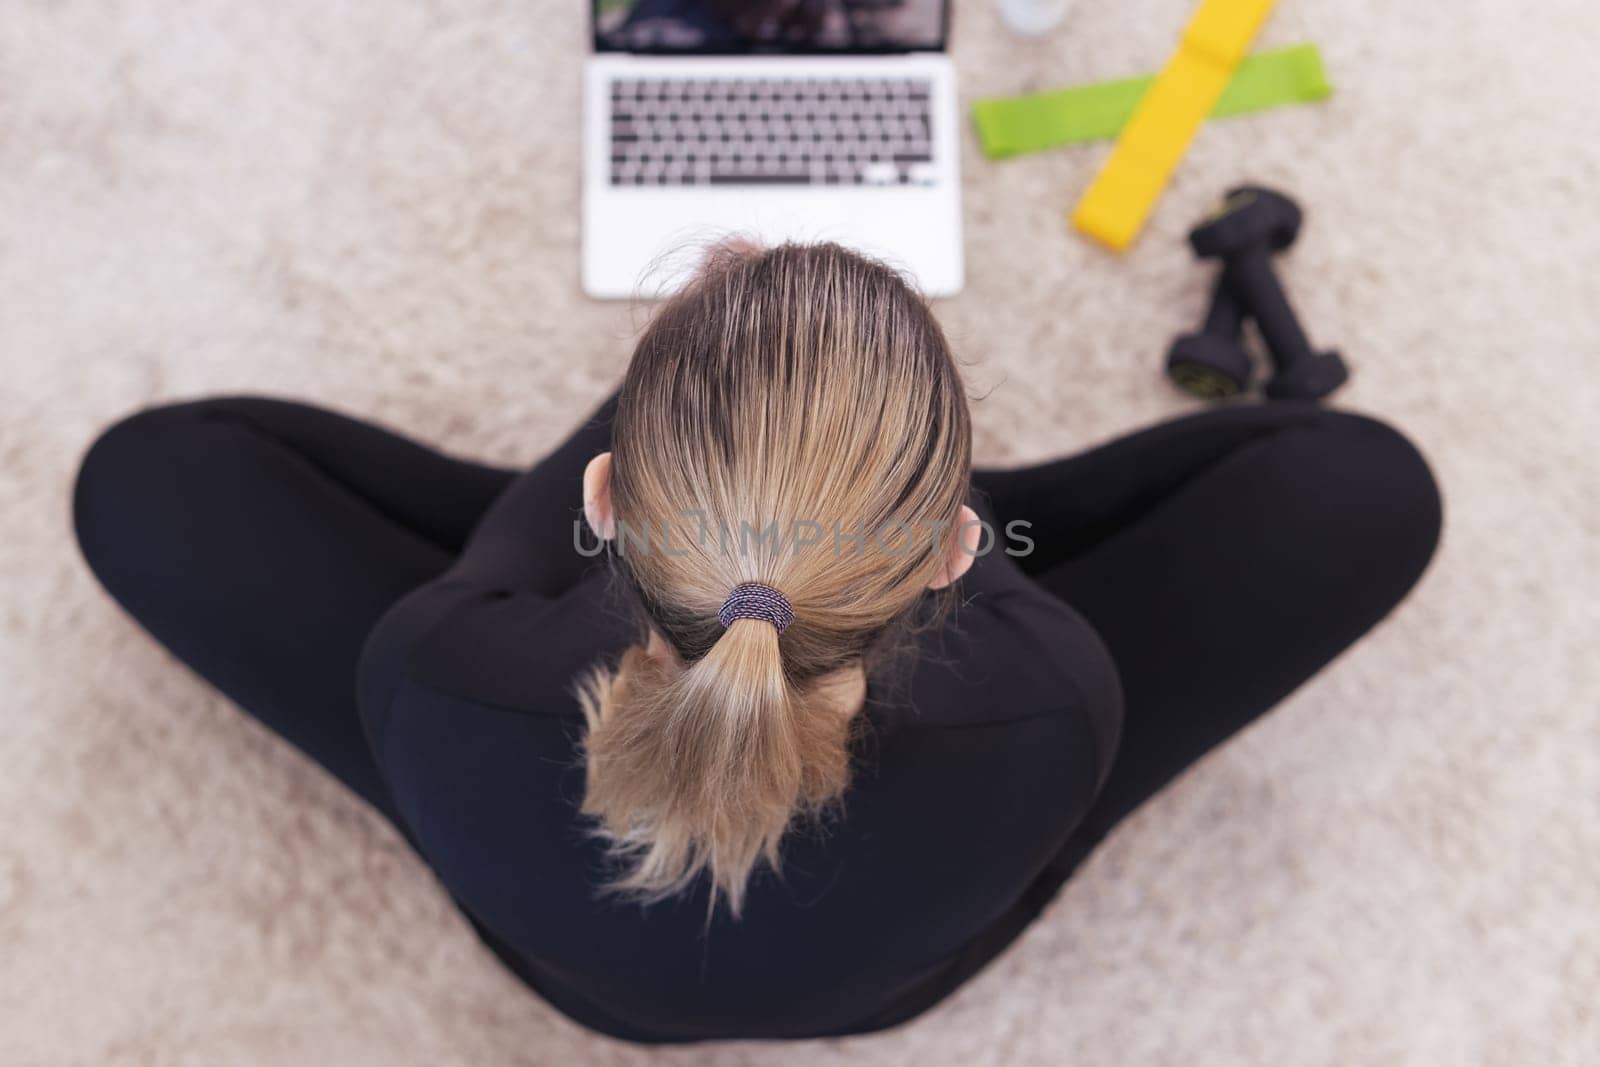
[{"x": 1033, "y": 17}]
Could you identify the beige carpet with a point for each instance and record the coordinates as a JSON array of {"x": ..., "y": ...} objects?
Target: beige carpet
[{"x": 373, "y": 205}]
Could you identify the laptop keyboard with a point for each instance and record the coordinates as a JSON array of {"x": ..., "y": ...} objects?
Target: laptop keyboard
[{"x": 764, "y": 131}]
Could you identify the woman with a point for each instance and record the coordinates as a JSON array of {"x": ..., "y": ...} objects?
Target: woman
[{"x": 756, "y": 775}]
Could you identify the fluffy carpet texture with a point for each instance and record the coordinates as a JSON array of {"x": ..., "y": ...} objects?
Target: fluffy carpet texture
[{"x": 372, "y": 205}]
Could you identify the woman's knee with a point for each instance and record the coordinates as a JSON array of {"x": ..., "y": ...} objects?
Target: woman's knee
[
  {"x": 1388, "y": 501},
  {"x": 130, "y": 488},
  {"x": 111, "y": 488}
]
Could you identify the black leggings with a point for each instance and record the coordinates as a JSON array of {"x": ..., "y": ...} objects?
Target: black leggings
[{"x": 1224, "y": 557}]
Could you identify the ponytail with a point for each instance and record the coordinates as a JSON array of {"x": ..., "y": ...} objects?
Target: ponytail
[{"x": 702, "y": 768}]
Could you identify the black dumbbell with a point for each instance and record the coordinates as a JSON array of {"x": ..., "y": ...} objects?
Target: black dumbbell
[
  {"x": 1244, "y": 232},
  {"x": 1212, "y": 364}
]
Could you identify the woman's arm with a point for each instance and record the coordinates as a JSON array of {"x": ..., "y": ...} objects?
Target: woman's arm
[
  {"x": 526, "y": 540},
  {"x": 522, "y": 549}
]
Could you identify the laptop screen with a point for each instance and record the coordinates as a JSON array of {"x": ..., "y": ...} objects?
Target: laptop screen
[{"x": 745, "y": 26}]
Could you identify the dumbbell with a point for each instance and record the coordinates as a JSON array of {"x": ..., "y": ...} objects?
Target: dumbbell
[
  {"x": 1213, "y": 363},
  {"x": 1252, "y": 224}
]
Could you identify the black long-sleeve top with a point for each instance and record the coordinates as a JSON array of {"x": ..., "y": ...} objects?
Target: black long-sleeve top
[{"x": 982, "y": 755}]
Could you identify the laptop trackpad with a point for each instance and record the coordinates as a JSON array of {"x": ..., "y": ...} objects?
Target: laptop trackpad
[
  {"x": 663, "y": 236},
  {"x": 647, "y": 242}
]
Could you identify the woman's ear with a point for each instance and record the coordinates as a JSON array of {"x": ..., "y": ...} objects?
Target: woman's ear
[
  {"x": 966, "y": 537},
  {"x": 597, "y": 496}
]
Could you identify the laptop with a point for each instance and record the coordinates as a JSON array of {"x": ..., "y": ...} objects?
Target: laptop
[{"x": 805, "y": 120}]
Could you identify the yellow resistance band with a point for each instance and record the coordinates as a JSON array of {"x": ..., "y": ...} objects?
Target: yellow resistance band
[{"x": 1115, "y": 207}]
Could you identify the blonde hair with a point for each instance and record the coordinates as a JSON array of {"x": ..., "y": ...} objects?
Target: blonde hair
[{"x": 794, "y": 418}]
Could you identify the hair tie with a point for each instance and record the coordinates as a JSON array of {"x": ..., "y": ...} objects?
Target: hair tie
[{"x": 752, "y": 600}]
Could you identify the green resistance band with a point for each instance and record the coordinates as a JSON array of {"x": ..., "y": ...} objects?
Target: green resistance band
[{"x": 1010, "y": 126}]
